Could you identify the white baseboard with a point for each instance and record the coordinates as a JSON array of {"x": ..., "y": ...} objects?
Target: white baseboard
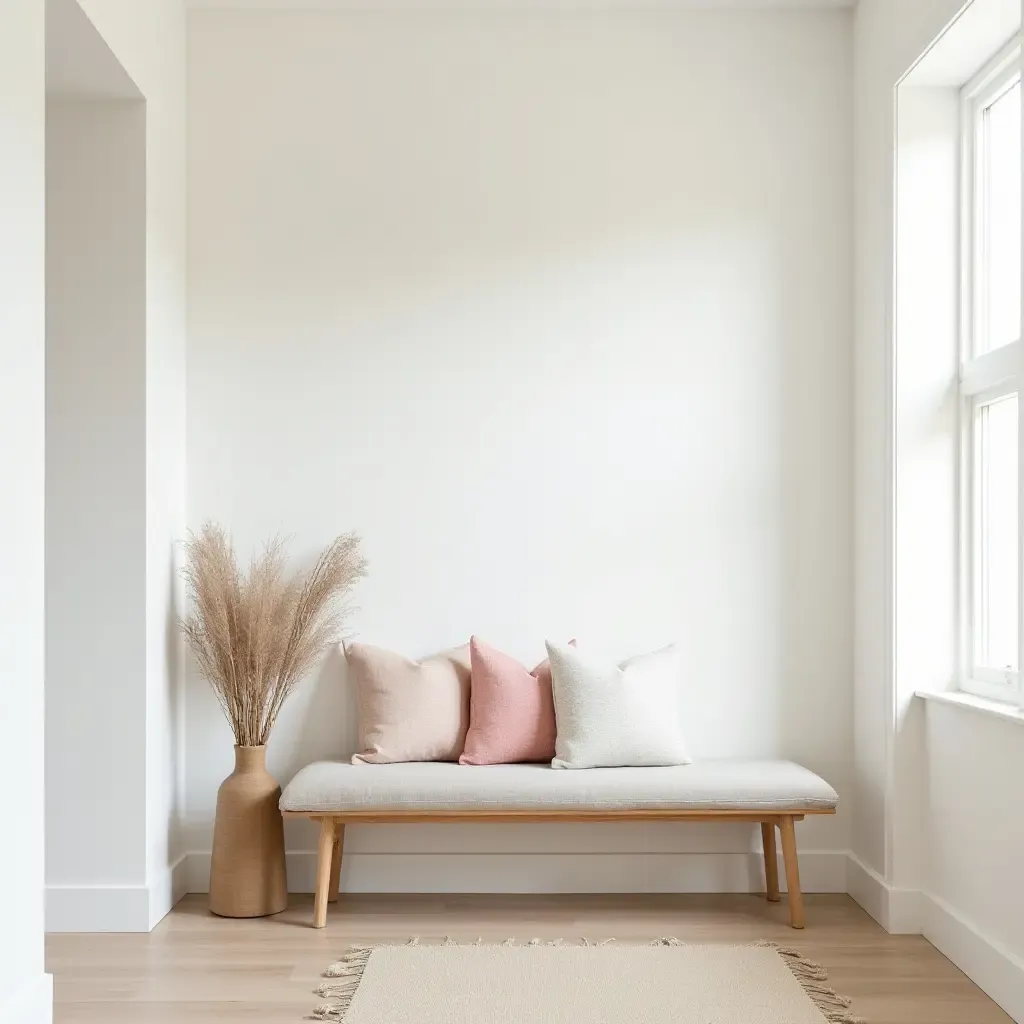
[
  {"x": 31, "y": 1004},
  {"x": 166, "y": 890},
  {"x": 868, "y": 888},
  {"x": 115, "y": 908},
  {"x": 989, "y": 964},
  {"x": 97, "y": 908},
  {"x": 820, "y": 871},
  {"x": 141, "y": 908},
  {"x": 898, "y": 911}
]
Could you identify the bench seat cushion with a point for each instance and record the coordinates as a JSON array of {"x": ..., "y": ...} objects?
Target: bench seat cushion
[{"x": 334, "y": 786}]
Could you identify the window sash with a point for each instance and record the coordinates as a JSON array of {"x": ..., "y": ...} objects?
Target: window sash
[
  {"x": 983, "y": 378},
  {"x": 985, "y": 671},
  {"x": 976, "y": 677},
  {"x": 995, "y": 79}
]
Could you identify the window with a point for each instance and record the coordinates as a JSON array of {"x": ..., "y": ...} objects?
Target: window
[{"x": 990, "y": 370}]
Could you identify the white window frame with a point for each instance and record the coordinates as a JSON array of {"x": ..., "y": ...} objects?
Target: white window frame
[{"x": 983, "y": 379}]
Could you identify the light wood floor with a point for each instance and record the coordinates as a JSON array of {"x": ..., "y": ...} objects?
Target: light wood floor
[{"x": 196, "y": 968}]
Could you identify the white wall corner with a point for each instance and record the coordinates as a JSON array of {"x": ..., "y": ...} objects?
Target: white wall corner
[
  {"x": 988, "y": 963},
  {"x": 31, "y": 1004},
  {"x": 898, "y": 911},
  {"x": 166, "y": 890},
  {"x": 820, "y": 871}
]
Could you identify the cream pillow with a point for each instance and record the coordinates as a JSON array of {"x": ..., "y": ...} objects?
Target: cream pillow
[
  {"x": 609, "y": 716},
  {"x": 409, "y": 710}
]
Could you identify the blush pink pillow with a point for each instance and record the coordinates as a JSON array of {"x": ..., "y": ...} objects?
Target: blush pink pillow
[
  {"x": 511, "y": 713},
  {"x": 410, "y": 710}
]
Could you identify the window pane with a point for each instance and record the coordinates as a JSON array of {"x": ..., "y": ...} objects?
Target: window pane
[
  {"x": 997, "y": 538},
  {"x": 1001, "y": 216}
]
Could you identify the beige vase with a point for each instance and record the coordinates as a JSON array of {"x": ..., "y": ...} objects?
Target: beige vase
[{"x": 247, "y": 873}]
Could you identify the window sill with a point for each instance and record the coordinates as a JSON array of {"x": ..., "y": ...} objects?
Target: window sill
[{"x": 979, "y": 705}]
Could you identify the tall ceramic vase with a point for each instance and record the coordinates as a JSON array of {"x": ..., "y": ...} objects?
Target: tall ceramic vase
[{"x": 247, "y": 873}]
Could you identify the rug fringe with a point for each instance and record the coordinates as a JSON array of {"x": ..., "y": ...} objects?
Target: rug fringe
[
  {"x": 350, "y": 970},
  {"x": 834, "y": 1007}
]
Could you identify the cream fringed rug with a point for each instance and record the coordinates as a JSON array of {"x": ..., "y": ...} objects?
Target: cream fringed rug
[{"x": 664, "y": 982}]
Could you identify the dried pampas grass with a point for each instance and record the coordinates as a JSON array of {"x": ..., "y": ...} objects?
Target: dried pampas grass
[{"x": 255, "y": 636}]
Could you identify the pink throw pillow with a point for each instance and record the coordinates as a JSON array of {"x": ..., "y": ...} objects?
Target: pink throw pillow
[{"x": 511, "y": 713}]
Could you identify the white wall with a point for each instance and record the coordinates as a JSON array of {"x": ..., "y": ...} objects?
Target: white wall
[
  {"x": 973, "y": 908},
  {"x": 927, "y": 450},
  {"x": 554, "y": 310},
  {"x": 888, "y": 38},
  {"x": 95, "y": 492},
  {"x": 148, "y": 39},
  {"x": 25, "y": 991},
  {"x": 938, "y": 845}
]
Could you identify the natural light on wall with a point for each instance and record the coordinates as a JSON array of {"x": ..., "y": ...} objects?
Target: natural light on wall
[{"x": 990, "y": 362}]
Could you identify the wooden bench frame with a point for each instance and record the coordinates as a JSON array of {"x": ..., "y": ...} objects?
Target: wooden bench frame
[{"x": 332, "y": 839}]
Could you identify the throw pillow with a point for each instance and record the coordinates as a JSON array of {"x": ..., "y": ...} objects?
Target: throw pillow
[
  {"x": 511, "y": 717},
  {"x": 610, "y": 716},
  {"x": 409, "y": 710}
]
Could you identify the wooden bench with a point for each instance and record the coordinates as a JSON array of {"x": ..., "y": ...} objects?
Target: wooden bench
[{"x": 773, "y": 794}]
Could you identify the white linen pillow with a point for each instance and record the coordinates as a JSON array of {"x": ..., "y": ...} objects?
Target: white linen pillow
[{"x": 611, "y": 716}]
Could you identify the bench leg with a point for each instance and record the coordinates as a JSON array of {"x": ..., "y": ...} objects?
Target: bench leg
[
  {"x": 336, "y": 851},
  {"x": 796, "y": 899},
  {"x": 771, "y": 862},
  {"x": 325, "y": 851}
]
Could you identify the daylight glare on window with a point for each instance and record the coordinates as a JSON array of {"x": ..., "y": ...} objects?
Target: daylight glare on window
[
  {"x": 1001, "y": 191},
  {"x": 997, "y": 582}
]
